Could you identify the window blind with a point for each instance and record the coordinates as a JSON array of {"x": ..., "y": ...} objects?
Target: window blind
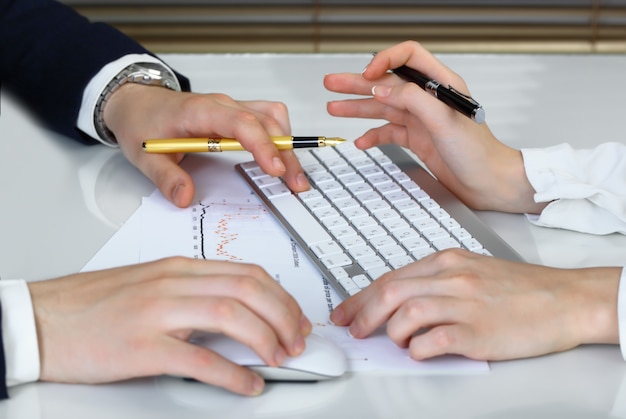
[{"x": 363, "y": 26}]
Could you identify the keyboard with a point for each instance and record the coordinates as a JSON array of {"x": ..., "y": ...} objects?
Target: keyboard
[{"x": 369, "y": 212}]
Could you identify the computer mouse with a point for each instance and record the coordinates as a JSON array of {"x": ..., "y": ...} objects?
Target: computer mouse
[{"x": 322, "y": 359}]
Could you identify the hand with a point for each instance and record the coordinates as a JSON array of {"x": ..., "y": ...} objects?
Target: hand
[
  {"x": 457, "y": 302},
  {"x": 136, "y": 112},
  {"x": 135, "y": 321},
  {"x": 462, "y": 154}
]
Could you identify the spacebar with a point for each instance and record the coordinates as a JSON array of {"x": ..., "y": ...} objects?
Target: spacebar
[{"x": 299, "y": 219}]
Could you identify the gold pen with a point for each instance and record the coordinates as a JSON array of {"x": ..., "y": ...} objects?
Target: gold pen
[{"x": 198, "y": 145}]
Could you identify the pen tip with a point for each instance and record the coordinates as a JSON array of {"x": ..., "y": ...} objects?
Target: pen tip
[
  {"x": 332, "y": 141},
  {"x": 143, "y": 145}
]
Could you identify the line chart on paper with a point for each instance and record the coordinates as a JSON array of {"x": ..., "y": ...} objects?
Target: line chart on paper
[{"x": 241, "y": 230}]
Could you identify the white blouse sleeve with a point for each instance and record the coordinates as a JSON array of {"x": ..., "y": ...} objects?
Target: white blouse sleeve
[{"x": 586, "y": 188}]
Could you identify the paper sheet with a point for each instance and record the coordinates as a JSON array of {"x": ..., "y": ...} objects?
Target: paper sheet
[{"x": 228, "y": 222}]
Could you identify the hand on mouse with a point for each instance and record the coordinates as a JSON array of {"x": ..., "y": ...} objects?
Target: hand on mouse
[{"x": 134, "y": 321}]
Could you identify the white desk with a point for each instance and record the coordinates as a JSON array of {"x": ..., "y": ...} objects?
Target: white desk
[{"x": 62, "y": 201}]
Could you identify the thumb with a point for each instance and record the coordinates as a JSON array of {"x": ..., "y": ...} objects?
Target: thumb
[{"x": 171, "y": 179}]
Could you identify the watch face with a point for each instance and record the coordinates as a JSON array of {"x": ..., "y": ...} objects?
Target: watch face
[{"x": 154, "y": 74}]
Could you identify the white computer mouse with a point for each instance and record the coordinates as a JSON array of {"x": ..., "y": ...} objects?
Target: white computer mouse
[{"x": 321, "y": 360}]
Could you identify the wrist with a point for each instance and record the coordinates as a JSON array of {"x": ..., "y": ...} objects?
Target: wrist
[
  {"x": 149, "y": 74},
  {"x": 518, "y": 193},
  {"x": 596, "y": 298}
]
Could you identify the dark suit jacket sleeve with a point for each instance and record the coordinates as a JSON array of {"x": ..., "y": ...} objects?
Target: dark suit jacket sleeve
[{"x": 49, "y": 53}]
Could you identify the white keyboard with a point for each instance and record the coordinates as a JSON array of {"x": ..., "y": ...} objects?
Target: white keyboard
[{"x": 369, "y": 212}]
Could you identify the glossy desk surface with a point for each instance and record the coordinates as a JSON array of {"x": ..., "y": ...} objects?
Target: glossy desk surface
[{"x": 62, "y": 201}]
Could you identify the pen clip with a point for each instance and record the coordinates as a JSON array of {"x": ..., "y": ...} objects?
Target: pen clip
[{"x": 469, "y": 98}]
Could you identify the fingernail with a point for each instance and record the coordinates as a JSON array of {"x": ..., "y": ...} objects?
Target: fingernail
[
  {"x": 305, "y": 324},
  {"x": 364, "y": 69},
  {"x": 299, "y": 345},
  {"x": 278, "y": 164},
  {"x": 336, "y": 316},
  {"x": 279, "y": 356},
  {"x": 381, "y": 91},
  {"x": 302, "y": 181},
  {"x": 353, "y": 332},
  {"x": 177, "y": 195},
  {"x": 257, "y": 385}
]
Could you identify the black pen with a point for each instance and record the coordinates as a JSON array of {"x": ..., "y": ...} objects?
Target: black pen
[{"x": 448, "y": 95}]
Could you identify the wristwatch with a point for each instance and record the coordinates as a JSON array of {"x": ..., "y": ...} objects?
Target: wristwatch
[{"x": 151, "y": 74}]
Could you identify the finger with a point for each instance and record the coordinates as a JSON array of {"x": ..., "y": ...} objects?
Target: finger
[
  {"x": 414, "y": 55},
  {"x": 372, "y": 307},
  {"x": 225, "y": 117},
  {"x": 367, "y": 108},
  {"x": 387, "y": 134},
  {"x": 271, "y": 120},
  {"x": 277, "y": 111},
  {"x": 222, "y": 315},
  {"x": 274, "y": 306},
  {"x": 440, "y": 340},
  {"x": 455, "y": 339},
  {"x": 294, "y": 175},
  {"x": 419, "y": 312},
  {"x": 171, "y": 179},
  {"x": 363, "y": 304},
  {"x": 433, "y": 113},
  {"x": 355, "y": 84},
  {"x": 246, "y": 283},
  {"x": 187, "y": 360}
]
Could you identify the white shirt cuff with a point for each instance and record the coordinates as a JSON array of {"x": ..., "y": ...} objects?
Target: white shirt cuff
[
  {"x": 97, "y": 85},
  {"x": 19, "y": 333}
]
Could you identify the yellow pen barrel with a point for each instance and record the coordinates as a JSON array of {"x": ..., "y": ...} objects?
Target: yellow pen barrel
[
  {"x": 199, "y": 145},
  {"x": 230, "y": 144},
  {"x": 183, "y": 145}
]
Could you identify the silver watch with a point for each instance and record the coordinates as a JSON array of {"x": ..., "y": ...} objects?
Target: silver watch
[{"x": 151, "y": 74}]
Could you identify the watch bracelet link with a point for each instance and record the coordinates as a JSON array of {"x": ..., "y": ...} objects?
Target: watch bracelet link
[{"x": 150, "y": 74}]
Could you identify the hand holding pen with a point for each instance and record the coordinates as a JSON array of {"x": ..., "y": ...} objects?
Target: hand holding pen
[
  {"x": 463, "y": 103},
  {"x": 462, "y": 154},
  {"x": 448, "y": 95}
]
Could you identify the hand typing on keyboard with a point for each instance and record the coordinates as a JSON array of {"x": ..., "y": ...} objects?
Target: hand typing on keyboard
[
  {"x": 365, "y": 215},
  {"x": 462, "y": 302}
]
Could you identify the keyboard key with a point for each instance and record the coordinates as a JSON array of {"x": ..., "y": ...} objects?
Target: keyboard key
[
  {"x": 332, "y": 261},
  {"x": 398, "y": 262},
  {"x": 294, "y": 213},
  {"x": 326, "y": 248},
  {"x": 370, "y": 262},
  {"x": 277, "y": 190},
  {"x": 361, "y": 281},
  {"x": 446, "y": 243}
]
